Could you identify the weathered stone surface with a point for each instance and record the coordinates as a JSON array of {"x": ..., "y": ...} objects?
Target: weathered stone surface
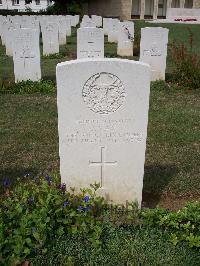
[
  {"x": 102, "y": 123},
  {"x": 26, "y": 55},
  {"x": 90, "y": 43},
  {"x": 153, "y": 50}
]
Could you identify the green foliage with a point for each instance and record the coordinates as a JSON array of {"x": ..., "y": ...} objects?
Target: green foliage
[
  {"x": 66, "y": 7},
  {"x": 182, "y": 225},
  {"x": 53, "y": 56},
  {"x": 40, "y": 210},
  {"x": 159, "y": 85},
  {"x": 187, "y": 65},
  {"x": 132, "y": 245},
  {"x": 27, "y": 87}
]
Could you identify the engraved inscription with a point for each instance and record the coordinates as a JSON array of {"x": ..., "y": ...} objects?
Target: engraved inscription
[
  {"x": 98, "y": 132},
  {"x": 103, "y": 93},
  {"x": 153, "y": 51},
  {"x": 102, "y": 164}
]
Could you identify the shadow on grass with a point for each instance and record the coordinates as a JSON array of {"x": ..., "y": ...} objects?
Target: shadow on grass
[
  {"x": 13, "y": 173},
  {"x": 156, "y": 179}
]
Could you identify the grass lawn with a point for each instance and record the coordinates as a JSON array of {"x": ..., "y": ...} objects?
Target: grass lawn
[{"x": 125, "y": 246}]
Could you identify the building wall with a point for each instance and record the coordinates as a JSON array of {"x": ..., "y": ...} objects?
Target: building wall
[
  {"x": 196, "y": 3},
  {"x": 111, "y": 8}
]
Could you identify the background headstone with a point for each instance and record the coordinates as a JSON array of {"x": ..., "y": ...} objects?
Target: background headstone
[
  {"x": 90, "y": 43},
  {"x": 50, "y": 38},
  {"x": 153, "y": 50},
  {"x": 125, "y": 39},
  {"x": 26, "y": 55}
]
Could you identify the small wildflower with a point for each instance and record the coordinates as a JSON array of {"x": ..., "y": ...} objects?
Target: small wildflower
[
  {"x": 48, "y": 178},
  {"x": 86, "y": 198},
  {"x": 62, "y": 187},
  {"x": 80, "y": 208},
  {"x": 66, "y": 203},
  {"x": 6, "y": 182},
  {"x": 30, "y": 200}
]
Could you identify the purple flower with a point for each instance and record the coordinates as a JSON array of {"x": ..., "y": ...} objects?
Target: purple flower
[
  {"x": 62, "y": 187},
  {"x": 86, "y": 198},
  {"x": 30, "y": 200},
  {"x": 6, "y": 182},
  {"x": 80, "y": 208},
  {"x": 66, "y": 203},
  {"x": 48, "y": 178}
]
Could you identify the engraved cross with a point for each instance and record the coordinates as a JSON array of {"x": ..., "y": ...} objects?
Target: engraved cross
[{"x": 102, "y": 164}]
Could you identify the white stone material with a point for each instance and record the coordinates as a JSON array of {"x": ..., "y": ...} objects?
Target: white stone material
[
  {"x": 50, "y": 38},
  {"x": 63, "y": 26},
  {"x": 125, "y": 39},
  {"x": 90, "y": 43},
  {"x": 102, "y": 124},
  {"x": 97, "y": 20},
  {"x": 26, "y": 55},
  {"x": 9, "y": 37},
  {"x": 113, "y": 30},
  {"x": 153, "y": 50},
  {"x": 184, "y": 13},
  {"x": 106, "y": 25}
]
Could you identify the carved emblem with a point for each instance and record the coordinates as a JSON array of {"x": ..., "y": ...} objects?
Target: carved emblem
[{"x": 103, "y": 93}]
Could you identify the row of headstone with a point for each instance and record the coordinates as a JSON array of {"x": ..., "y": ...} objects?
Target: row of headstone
[
  {"x": 21, "y": 36},
  {"x": 60, "y": 30},
  {"x": 90, "y": 39},
  {"x": 153, "y": 45}
]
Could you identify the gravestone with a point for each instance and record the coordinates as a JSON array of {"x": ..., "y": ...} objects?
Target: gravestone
[
  {"x": 106, "y": 22},
  {"x": 90, "y": 43},
  {"x": 50, "y": 38},
  {"x": 62, "y": 26},
  {"x": 113, "y": 30},
  {"x": 87, "y": 22},
  {"x": 9, "y": 37},
  {"x": 102, "y": 123},
  {"x": 125, "y": 38},
  {"x": 97, "y": 20},
  {"x": 153, "y": 50},
  {"x": 26, "y": 55}
]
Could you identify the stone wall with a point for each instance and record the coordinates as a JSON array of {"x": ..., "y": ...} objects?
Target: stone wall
[
  {"x": 111, "y": 8},
  {"x": 196, "y": 3}
]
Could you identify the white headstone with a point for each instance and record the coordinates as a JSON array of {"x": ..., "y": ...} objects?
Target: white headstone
[
  {"x": 9, "y": 37},
  {"x": 97, "y": 20},
  {"x": 90, "y": 43},
  {"x": 113, "y": 30},
  {"x": 106, "y": 25},
  {"x": 102, "y": 122},
  {"x": 63, "y": 26},
  {"x": 87, "y": 22},
  {"x": 153, "y": 50},
  {"x": 26, "y": 55},
  {"x": 125, "y": 39},
  {"x": 50, "y": 38}
]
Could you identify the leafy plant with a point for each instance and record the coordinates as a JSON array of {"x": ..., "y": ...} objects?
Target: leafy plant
[
  {"x": 40, "y": 210},
  {"x": 183, "y": 225},
  {"x": 186, "y": 65},
  {"x": 27, "y": 87}
]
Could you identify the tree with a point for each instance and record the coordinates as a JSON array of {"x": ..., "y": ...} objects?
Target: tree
[{"x": 67, "y": 6}]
